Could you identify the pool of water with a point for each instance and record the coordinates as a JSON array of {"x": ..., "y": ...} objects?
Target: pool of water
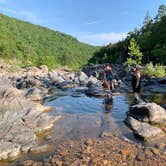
[{"x": 85, "y": 116}]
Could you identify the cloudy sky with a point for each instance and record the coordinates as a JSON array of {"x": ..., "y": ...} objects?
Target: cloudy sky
[{"x": 97, "y": 22}]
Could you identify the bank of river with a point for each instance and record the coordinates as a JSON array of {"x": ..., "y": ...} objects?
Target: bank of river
[{"x": 92, "y": 131}]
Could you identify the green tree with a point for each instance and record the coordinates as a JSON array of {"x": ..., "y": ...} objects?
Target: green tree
[
  {"x": 135, "y": 56},
  {"x": 146, "y": 23},
  {"x": 161, "y": 12}
]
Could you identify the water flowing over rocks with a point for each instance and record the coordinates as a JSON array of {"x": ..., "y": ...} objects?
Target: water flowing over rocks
[{"x": 20, "y": 120}]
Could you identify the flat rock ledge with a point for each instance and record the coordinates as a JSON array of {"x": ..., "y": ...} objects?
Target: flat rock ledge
[{"x": 20, "y": 120}]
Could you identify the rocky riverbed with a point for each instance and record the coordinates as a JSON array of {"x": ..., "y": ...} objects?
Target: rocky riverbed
[{"x": 24, "y": 121}]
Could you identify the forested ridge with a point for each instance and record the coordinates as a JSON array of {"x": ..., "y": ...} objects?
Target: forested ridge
[
  {"x": 151, "y": 38},
  {"x": 35, "y": 45}
]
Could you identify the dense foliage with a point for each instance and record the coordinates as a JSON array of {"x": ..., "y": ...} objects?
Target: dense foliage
[
  {"x": 35, "y": 45},
  {"x": 151, "y": 38},
  {"x": 154, "y": 70}
]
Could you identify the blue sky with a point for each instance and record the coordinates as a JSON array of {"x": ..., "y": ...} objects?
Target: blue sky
[{"x": 97, "y": 22}]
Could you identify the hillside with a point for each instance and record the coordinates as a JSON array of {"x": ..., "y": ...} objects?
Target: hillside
[
  {"x": 151, "y": 38},
  {"x": 35, "y": 45}
]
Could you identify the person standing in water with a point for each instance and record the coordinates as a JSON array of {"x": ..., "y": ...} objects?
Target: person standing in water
[
  {"x": 136, "y": 82},
  {"x": 108, "y": 77}
]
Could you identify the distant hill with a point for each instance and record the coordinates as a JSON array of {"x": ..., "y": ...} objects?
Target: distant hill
[{"x": 35, "y": 45}]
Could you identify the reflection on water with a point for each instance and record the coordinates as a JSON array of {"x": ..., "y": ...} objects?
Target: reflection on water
[
  {"x": 111, "y": 111},
  {"x": 108, "y": 101}
]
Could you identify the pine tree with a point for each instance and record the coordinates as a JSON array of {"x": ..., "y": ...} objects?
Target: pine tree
[{"x": 135, "y": 56}]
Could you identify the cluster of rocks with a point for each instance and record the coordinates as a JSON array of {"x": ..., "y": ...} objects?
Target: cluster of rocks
[
  {"x": 37, "y": 83},
  {"x": 108, "y": 151},
  {"x": 148, "y": 120},
  {"x": 21, "y": 116},
  {"x": 20, "y": 120}
]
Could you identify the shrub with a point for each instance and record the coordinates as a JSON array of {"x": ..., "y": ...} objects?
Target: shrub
[{"x": 151, "y": 70}]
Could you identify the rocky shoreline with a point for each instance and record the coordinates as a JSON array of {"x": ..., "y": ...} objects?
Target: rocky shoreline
[{"x": 23, "y": 117}]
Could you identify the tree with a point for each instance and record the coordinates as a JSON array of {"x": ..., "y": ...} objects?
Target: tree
[
  {"x": 161, "y": 12},
  {"x": 135, "y": 56},
  {"x": 147, "y": 22}
]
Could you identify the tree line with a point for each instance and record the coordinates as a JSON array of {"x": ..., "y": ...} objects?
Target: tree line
[{"x": 149, "y": 42}]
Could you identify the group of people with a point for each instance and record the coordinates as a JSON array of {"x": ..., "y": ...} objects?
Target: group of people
[{"x": 108, "y": 83}]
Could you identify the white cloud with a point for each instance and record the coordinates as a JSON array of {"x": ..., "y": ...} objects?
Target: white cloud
[
  {"x": 102, "y": 38},
  {"x": 92, "y": 22}
]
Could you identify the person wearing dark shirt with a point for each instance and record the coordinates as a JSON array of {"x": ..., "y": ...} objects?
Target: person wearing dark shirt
[{"x": 136, "y": 82}]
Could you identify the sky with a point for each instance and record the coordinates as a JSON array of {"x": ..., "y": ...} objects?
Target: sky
[{"x": 96, "y": 22}]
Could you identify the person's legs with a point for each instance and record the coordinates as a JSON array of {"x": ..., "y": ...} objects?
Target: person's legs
[
  {"x": 108, "y": 85},
  {"x": 112, "y": 85},
  {"x": 136, "y": 95}
]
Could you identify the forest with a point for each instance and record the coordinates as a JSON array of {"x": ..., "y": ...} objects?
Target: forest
[
  {"x": 150, "y": 38},
  {"x": 34, "y": 45}
]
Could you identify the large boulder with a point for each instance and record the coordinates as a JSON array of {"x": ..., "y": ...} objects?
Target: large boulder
[
  {"x": 20, "y": 120},
  {"x": 149, "y": 112},
  {"x": 144, "y": 130},
  {"x": 35, "y": 94},
  {"x": 95, "y": 91},
  {"x": 82, "y": 77}
]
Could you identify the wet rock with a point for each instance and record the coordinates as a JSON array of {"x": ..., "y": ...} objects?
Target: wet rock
[
  {"x": 40, "y": 149},
  {"x": 82, "y": 78},
  {"x": 56, "y": 162},
  {"x": 156, "y": 88},
  {"x": 37, "y": 164},
  {"x": 140, "y": 156},
  {"x": 106, "y": 134},
  {"x": 144, "y": 130},
  {"x": 89, "y": 142},
  {"x": 160, "y": 145},
  {"x": 35, "y": 94},
  {"x": 148, "y": 152},
  {"x": 162, "y": 81},
  {"x": 95, "y": 91},
  {"x": 149, "y": 112},
  {"x": 124, "y": 153},
  {"x": 155, "y": 151},
  {"x": 9, "y": 150},
  {"x": 92, "y": 80},
  {"x": 65, "y": 84},
  {"x": 20, "y": 120},
  {"x": 28, "y": 162}
]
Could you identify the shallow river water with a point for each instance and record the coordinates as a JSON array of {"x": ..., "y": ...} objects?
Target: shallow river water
[{"x": 84, "y": 117}]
